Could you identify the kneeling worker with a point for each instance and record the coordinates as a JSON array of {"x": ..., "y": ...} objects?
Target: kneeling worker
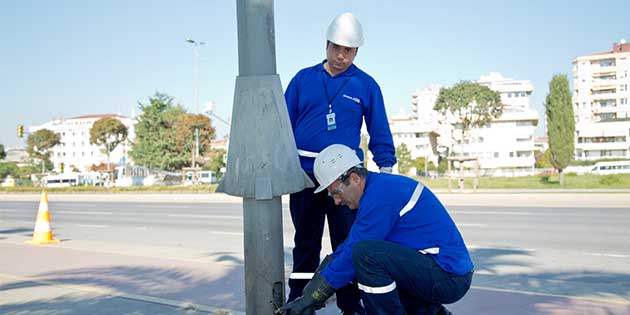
[{"x": 404, "y": 249}]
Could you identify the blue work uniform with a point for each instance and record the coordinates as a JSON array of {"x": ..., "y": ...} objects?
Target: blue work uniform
[
  {"x": 352, "y": 96},
  {"x": 403, "y": 239}
]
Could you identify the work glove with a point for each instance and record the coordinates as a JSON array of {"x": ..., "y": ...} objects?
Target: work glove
[
  {"x": 385, "y": 169},
  {"x": 314, "y": 295}
]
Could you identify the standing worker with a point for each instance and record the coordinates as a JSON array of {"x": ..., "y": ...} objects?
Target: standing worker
[
  {"x": 404, "y": 250},
  {"x": 327, "y": 104}
]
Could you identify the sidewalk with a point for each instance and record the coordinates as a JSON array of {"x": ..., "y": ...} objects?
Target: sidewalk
[{"x": 63, "y": 280}]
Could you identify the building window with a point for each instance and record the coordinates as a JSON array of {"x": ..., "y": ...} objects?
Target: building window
[
  {"x": 624, "y": 101},
  {"x": 496, "y": 154}
]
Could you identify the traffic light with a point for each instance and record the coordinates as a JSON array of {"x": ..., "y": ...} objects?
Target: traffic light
[
  {"x": 61, "y": 167},
  {"x": 20, "y": 131}
]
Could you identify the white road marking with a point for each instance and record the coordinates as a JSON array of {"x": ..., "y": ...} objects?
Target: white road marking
[
  {"x": 493, "y": 212},
  {"x": 471, "y": 224},
  {"x": 93, "y": 226},
  {"x": 227, "y": 233},
  {"x": 206, "y": 216},
  {"x": 77, "y": 205},
  {"x": 159, "y": 206},
  {"x": 85, "y": 212},
  {"x": 502, "y": 248},
  {"x": 609, "y": 255}
]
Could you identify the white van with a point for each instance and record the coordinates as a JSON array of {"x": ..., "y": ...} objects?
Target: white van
[
  {"x": 613, "y": 167},
  {"x": 207, "y": 177}
]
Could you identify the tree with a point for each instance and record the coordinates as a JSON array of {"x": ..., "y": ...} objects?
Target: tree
[
  {"x": 473, "y": 105},
  {"x": 155, "y": 143},
  {"x": 108, "y": 132},
  {"x": 3, "y": 153},
  {"x": 543, "y": 159},
  {"x": 560, "y": 124},
  {"x": 185, "y": 133},
  {"x": 403, "y": 156},
  {"x": 217, "y": 160},
  {"x": 39, "y": 143}
]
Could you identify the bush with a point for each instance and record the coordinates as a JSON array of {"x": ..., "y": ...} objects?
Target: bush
[
  {"x": 609, "y": 180},
  {"x": 570, "y": 174}
]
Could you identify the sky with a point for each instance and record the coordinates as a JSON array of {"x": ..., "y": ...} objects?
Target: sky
[{"x": 62, "y": 59}]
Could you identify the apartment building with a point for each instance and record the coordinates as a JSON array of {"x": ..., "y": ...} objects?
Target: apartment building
[
  {"x": 600, "y": 103},
  {"x": 75, "y": 150},
  {"x": 504, "y": 147}
]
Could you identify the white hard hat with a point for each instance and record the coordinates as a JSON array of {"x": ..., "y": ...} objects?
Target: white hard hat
[
  {"x": 333, "y": 162},
  {"x": 345, "y": 30}
]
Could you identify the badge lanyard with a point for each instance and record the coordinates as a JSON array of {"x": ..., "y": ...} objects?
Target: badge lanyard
[{"x": 330, "y": 117}]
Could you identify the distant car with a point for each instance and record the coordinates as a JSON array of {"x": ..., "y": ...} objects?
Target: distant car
[
  {"x": 613, "y": 167},
  {"x": 207, "y": 177}
]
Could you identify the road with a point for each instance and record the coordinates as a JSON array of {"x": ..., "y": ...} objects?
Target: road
[{"x": 575, "y": 245}]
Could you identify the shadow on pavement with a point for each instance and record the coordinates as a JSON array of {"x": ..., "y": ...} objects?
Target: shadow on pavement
[
  {"x": 490, "y": 272},
  {"x": 225, "y": 289},
  {"x": 81, "y": 304},
  {"x": 18, "y": 231},
  {"x": 195, "y": 286}
]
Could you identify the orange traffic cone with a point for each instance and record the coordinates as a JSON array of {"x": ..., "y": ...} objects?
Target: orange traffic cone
[{"x": 43, "y": 232}]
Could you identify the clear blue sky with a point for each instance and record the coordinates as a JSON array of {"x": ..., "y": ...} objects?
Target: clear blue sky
[{"x": 71, "y": 58}]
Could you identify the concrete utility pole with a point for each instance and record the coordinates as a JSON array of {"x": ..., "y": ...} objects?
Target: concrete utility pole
[
  {"x": 195, "y": 154},
  {"x": 262, "y": 163}
]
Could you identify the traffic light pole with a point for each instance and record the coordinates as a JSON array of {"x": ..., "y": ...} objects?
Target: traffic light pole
[{"x": 263, "y": 163}]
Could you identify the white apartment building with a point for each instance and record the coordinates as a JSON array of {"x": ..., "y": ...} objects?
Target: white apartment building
[
  {"x": 75, "y": 150},
  {"x": 504, "y": 147},
  {"x": 600, "y": 103},
  {"x": 420, "y": 138}
]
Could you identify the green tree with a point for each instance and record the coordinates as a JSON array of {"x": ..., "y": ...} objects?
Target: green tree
[
  {"x": 217, "y": 160},
  {"x": 185, "y": 133},
  {"x": 39, "y": 144},
  {"x": 560, "y": 124},
  {"x": 108, "y": 132},
  {"x": 3, "y": 153},
  {"x": 9, "y": 168},
  {"x": 543, "y": 159},
  {"x": 155, "y": 144},
  {"x": 471, "y": 104},
  {"x": 404, "y": 159}
]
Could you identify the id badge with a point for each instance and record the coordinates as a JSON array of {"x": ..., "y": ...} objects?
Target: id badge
[{"x": 330, "y": 121}]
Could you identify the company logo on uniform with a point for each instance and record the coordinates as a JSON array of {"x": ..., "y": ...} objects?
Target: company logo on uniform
[{"x": 354, "y": 99}]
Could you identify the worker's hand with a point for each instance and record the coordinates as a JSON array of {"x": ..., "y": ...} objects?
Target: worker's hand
[
  {"x": 385, "y": 169},
  {"x": 314, "y": 297},
  {"x": 299, "y": 306}
]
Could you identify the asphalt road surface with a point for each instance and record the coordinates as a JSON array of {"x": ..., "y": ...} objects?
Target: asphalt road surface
[{"x": 569, "y": 245}]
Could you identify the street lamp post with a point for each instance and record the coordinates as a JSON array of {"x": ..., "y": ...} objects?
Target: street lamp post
[{"x": 195, "y": 44}]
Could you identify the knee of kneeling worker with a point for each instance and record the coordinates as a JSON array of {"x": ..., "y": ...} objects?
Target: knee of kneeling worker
[{"x": 360, "y": 251}]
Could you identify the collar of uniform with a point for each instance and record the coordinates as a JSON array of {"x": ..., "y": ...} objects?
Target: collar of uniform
[{"x": 349, "y": 72}]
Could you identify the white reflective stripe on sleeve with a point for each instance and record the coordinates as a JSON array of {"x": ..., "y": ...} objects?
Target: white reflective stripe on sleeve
[
  {"x": 301, "y": 275},
  {"x": 42, "y": 226},
  {"x": 378, "y": 290},
  {"x": 307, "y": 153},
  {"x": 432, "y": 250},
  {"x": 413, "y": 200}
]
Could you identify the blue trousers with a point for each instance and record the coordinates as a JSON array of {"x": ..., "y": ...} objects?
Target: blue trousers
[
  {"x": 394, "y": 279},
  {"x": 308, "y": 212}
]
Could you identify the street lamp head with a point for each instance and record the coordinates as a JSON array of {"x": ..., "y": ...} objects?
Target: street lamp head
[{"x": 190, "y": 40}]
